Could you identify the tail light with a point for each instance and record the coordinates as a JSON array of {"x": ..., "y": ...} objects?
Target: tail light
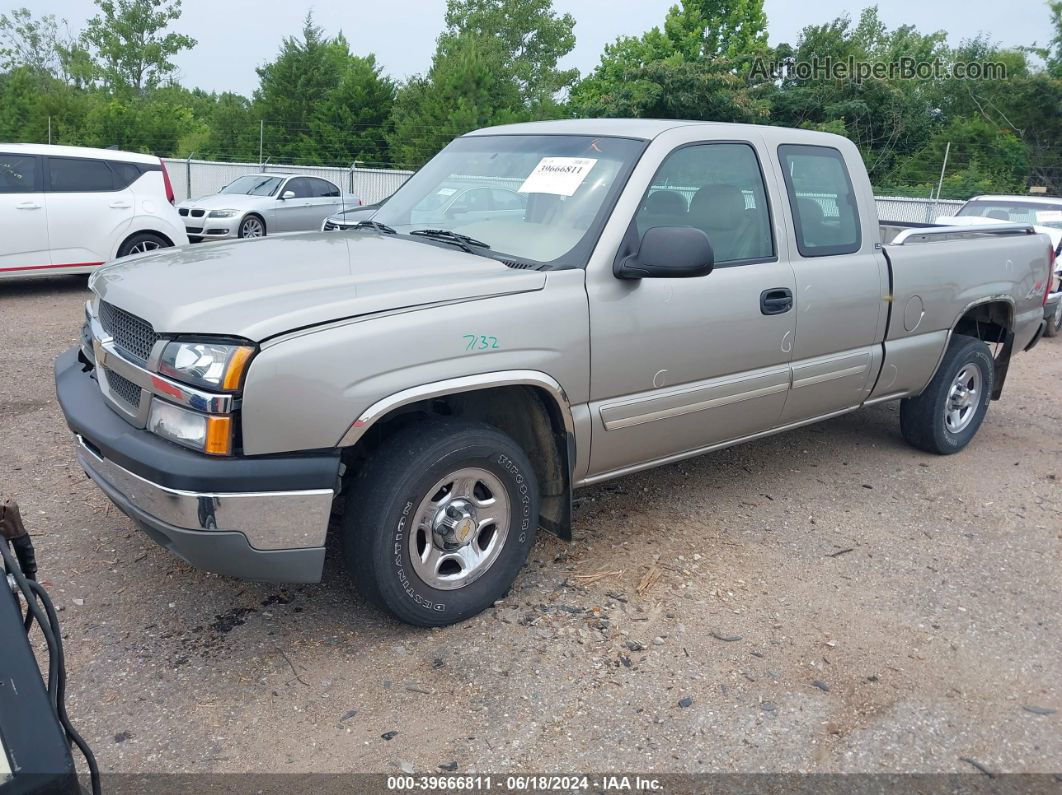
[
  {"x": 1051, "y": 260},
  {"x": 170, "y": 197}
]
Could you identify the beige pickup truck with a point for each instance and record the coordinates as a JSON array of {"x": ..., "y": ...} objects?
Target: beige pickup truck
[{"x": 541, "y": 307}]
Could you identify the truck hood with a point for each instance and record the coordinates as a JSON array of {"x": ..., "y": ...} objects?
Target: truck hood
[{"x": 257, "y": 289}]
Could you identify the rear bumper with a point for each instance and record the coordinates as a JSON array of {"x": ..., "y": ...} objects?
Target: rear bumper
[{"x": 261, "y": 518}]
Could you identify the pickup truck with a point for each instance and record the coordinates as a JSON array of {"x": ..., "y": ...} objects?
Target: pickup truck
[{"x": 608, "y": 296}]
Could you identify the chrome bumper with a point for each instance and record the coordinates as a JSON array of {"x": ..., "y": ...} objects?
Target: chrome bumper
[{"x": 272, "y": 520}]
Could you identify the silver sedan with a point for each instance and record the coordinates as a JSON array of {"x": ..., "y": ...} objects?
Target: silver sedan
[{"x": 258, "y": 204}]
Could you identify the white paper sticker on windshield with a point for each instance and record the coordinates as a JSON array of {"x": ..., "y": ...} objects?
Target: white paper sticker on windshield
[
  {"x": 560, "y": 176},
  {"x": 1049, "y": 217},
  {"x": 446, "y": 191}
]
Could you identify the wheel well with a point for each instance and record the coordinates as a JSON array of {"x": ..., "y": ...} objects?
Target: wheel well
[
  {"x": 144, "y": 232},
  {"x": 528, "y": 414},
  {"x": 991, "y": 322},
  {"x": 256, "y": 215}
]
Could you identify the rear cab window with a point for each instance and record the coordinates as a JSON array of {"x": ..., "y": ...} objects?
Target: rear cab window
[
  {"x": 19, "y": 173},
  {"x": 822, "y": 199}
]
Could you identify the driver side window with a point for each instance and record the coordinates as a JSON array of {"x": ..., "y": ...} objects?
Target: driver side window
[
  {"x": 719, "y": 189},
  {"x": 300, "y": 186}
]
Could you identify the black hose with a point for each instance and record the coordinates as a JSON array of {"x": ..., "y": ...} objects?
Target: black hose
[{"x": 48, "y": 621}]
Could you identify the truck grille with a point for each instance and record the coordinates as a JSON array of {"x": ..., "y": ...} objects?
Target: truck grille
[
  {"x": 123, "y": 388},
  {"x": 133, "y": 335}
]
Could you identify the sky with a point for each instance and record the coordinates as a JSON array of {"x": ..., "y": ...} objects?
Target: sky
[{"x": 235, "y": 36}]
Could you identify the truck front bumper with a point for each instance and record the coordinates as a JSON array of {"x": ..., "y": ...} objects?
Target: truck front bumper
[{"x": 260, "y": 518}]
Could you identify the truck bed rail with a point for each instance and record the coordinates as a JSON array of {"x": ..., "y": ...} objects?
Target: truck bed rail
[{"x": 920, "y": 234}]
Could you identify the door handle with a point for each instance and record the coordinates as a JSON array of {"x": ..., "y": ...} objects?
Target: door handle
[
  {"x": 121, "y": 205},
  {"x": 28, "y": 206},
  {"x": 776, "y": 301}
]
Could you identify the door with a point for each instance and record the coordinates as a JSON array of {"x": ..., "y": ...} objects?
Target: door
[
  {"x": 298, "y": 212},
  {"x": 326, "y": 200},
  {"x": 841, "y": 279},
  {"x": 682, "y": 364},
  {"x": 87, "y": 214},
  {"x": 23, "y": 217}
]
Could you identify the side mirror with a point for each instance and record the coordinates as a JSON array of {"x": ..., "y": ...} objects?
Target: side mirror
[
  {"x": 668, "y": 252},
  {"x": 288, "y": 194}
]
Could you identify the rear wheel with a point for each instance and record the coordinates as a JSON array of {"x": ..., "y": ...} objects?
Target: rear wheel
[
  {"x": 440, "y": 521},
  {"x": 252, "y": 226},
  {"x": 141, "y": 243},
  {"x": 1054, "y": 322},
  {"x": 946, "y": 416}
]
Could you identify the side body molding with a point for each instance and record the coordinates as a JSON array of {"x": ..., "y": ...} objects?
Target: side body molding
[{"x": 468, "y": 383}]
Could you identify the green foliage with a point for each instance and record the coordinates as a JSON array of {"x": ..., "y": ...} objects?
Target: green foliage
[
  {"x": 498, "y": 61},
  {"x": 132, "y": 45},
  {"x": 697, "y": 67},
  {"x": 532, "y": 35}
]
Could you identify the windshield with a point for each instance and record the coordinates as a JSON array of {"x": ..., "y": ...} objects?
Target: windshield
[
  {"x": 1017, "y": 212},
  {"x": 253, "y": 185},
  {"x": 537, "y": 198}
]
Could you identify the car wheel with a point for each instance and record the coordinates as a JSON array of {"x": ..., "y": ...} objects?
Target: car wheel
[
  {"x": 440, "y": 521},
  {"x": 252, "y": 226},
  {"x": 945, "y": 417},
  {"x": 1054, "y": 323},
  {"x": 142, "y": 243}
]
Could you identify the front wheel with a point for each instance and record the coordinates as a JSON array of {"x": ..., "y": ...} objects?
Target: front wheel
[
  {"x": 440, "y": 521},
  {"x": 945, "y": 417},
  {"x": 252, "y": 226}
]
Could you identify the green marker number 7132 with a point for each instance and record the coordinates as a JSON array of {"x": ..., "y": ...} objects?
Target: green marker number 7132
[{"x": 474, "y": 342}]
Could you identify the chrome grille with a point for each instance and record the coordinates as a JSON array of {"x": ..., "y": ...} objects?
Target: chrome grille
[
  {"x": 123, "y": 388},
  {"x": 133, "y": 335}
]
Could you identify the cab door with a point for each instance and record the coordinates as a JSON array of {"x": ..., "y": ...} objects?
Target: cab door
[
  {"x": 678, "y": 365},
  {"x": 841, "y": 280},
  {"x": 23, "y": 216}
]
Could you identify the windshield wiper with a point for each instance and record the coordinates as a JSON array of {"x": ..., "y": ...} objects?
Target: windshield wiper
[
  {"x": 463, "y": 241},
  {"x": 375, "y": 225}
]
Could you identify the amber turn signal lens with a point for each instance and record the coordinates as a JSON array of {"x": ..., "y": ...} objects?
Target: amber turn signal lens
[
  {"x": 236, "y": 367},
  {"x": 218, "y": 436}
]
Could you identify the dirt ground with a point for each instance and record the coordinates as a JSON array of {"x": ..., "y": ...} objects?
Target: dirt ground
[{"x": 827, "y": 600}]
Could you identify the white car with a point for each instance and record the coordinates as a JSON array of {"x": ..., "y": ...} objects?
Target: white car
[
  {"x": 1044, "y": 213},
  {"x": 69, "y": 209},
  {"x": 258, "y": 204}
]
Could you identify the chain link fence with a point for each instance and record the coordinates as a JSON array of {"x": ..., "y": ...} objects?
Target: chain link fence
[{"x": 192, "y": 178}]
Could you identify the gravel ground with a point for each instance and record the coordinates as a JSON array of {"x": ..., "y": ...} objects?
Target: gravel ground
[{"x": 827, "y": 600}]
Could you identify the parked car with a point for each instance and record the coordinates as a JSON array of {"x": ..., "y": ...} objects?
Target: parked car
[
  {"x": 258, "y": 204},
  {"x": 349, "y": 218},
  {"x": 1044, "y": 212},
  {"x": 68, "y": 209},
  {"x": 452, "y": 385},
  {"x": 461, "y": 202}
]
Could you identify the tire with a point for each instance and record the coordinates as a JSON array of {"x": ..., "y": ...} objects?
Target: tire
[
  {"x": 252, "y": 226},
  {"x": 1054, "y": 323},
  {"x": 946, "y": 416},
  {"x": 143, "y": 242},
  {"x": 430, "y": 491}
]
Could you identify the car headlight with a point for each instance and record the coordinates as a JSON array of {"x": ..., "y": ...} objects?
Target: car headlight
[
  {"x": 203, "y": 432},
  {"x": 222, "y": 213},
  {"x": 211, "y": 365}
]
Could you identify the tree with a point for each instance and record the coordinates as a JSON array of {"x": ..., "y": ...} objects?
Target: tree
[
  {"x": 320, "y": 103},
  {"x": 466, "y": 88},
  {"x": 40, "y": 46},
  {"x": 532, "y": 35},
  {"x": 697, "y": 66},
  {"x": 131, "y": 43}
]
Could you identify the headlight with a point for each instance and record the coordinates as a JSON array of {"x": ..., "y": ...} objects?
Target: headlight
[
  {"x": 203, "y": 432},
  {"x": 210, "y": 365},
  {"x": 222, "y": 213}
]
